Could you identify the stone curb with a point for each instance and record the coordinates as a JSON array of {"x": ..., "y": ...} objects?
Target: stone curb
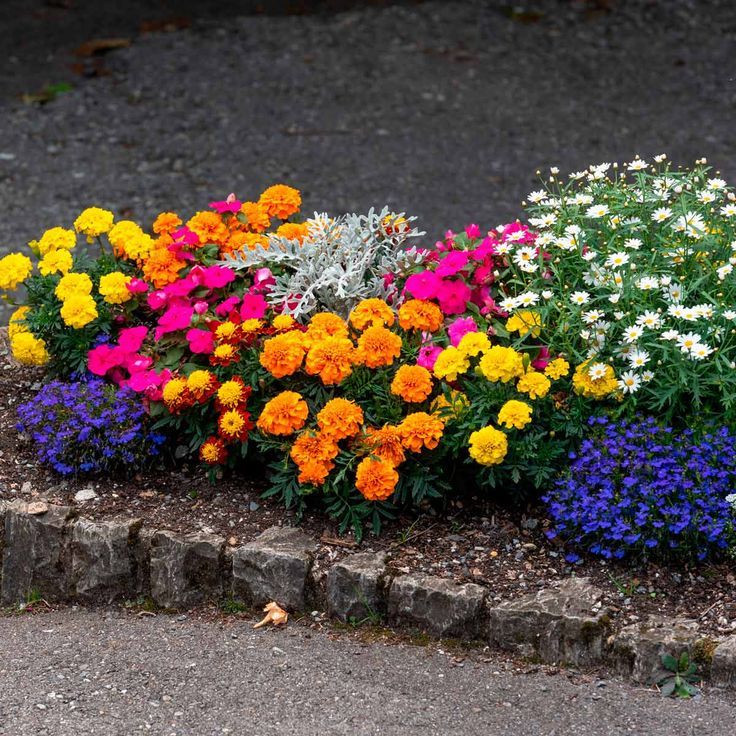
[{"x": 49, "y": 551}]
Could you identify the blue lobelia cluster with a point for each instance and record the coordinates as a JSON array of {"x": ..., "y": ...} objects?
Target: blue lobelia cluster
[
  {"x": 88, "y": 426},
  {"x": 637, "y": 488}
]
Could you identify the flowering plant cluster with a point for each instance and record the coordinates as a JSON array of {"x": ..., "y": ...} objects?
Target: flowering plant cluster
[
  {"x": 89, "y": 426},
  {"x": 638, "y": 488}
]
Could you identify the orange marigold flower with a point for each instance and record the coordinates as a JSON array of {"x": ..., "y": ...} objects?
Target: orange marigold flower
[
  {"x": 420, "y": 315},
  {"x": 325, "y": 324},
  {"x": 175, "y": 395},
  {"x": 293, "y": 231},
  {"x": 201, "y": 385},
  {"x": 225, "y": 354},
  {"x": 385, "y": 443},
  {"x": 420, "y": 430},
  {"x": 166, "y": 222},
  {"x": 284, "y": 414},
  {"x": 258, "y": 219},
  {"x": 378, "y": 347},
  {"x": 236, "y": 241},
  {"x": 213, "y": 451},
  {"x": 209, "y": 228},
  {"x": 412, "y": 383},
  {"x": 282, "y": 354},
  {"x": 314, "y": 473},
  {"x": 283, "y": 322},
  {"x": 281, "y": 201},
  {"x": 162, "y": 267},
  {"x": 340, "y": 418},
  {"x": 252, "y": 240},
  {"x": 313, "y": 454},
  {"x": 376, "y": 479},
  {"x": 232, "y": 394},
  {"x": 332, "y": 359},
  {"x": 372, "y": 312},
  {"x": 234, "y": 424}
]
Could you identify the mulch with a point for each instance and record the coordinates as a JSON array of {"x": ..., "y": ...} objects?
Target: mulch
[{"x": 473, "y": 540}]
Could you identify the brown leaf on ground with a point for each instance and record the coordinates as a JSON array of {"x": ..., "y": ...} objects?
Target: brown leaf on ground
[
  {"x": 99, "y": 46},
  {"x": 275, "y": 615}
]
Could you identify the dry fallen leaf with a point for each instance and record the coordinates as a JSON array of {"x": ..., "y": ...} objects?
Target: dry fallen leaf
[
  {"x": 101, "y": 46},
  {"x": 37, "y": 507},
  {"x": 274, "y": 615}
]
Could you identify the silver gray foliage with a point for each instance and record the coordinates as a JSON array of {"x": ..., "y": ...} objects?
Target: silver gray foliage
[{"x": 341, "y": 261}]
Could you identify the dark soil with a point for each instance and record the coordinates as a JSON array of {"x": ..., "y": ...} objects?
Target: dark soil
[{"x": 472, "y": 541}]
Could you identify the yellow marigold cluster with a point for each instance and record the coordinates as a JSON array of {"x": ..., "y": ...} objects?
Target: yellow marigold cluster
[
  {"x": 93, "y": 222},
  {"x": 536, "y": 385},
  {"x": 376, "y": 479},
  {"x": 515, "y": 414},
  {"x": 73, "y": 283},
  {"x": 283, "y": 354},
  {"x": 525, "y": 322},
  {"x": 56, "y": 238},
  {"x": 201, "y": 384},
  {"x": 28, "y": 349},
  {"x": 412, "y": 383},
  {"x": 557, "y": 368},
  {"x": 15, "y": 268},
  {"x": 331, "y": 359},
  {"x": 284, "y": 414},
  {"x": 450, "y": 407},
  {"x": 372, "y": 313},
  {"x": 114, "y": 288},
  {"x": 450, "y": 364},
  {"x": 283, "y": 322},
  {"x": 55, "y": 261},
  {"x": 599, "y": 385},
  {"x": 16, "y": 323},
  {"x": 488, "y": 446},
  {"x": 501, "y": 364},
  {"x": 78, "y": 310},
  {"x": 340, "y": 418},
  {"x": 421, "y": 430},
  {"x": 473, "y": 343},
  {"x": 378, "y": 347},
  {"x": 420, "y": 315},
  {"x": 281, "y": 201}
]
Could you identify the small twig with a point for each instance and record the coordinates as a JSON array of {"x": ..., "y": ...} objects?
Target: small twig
[
  {"x": 145, "y": 613},
  {"x": 411, "y": 537},
  {"x": 708, "y": 610},
  {"x": 338, "y": 542}
]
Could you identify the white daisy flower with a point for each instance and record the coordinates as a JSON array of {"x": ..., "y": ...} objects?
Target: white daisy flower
[
  {"x": 670, "y": 335},
  {"x": 665, "y": 280},
  {"x": 729, "y": 314},
  {"x": 566, "y": 242},
  {"x": 597, "y": 211},
  {"x": 661, "y": 214},
  {"x": 660, "y": 157},
  {"x": 647, "y": 376},
  {"x": 592, "y": 316},
  {"x": 580, "y": 297},
  {"x": 582, "y": 199},
  {"x": 716, "y": 184},
  {"x": 637, "y": 164},
  {"x": 546, "y": 220},
  {"x": 632, "y": 334},
  {"x": 703, "y": 311},
  {"x": 689, "y": 314},
  {"x": 674, "y": 292},
  {"x": 629, "y": 382},
  {"x": 526, "y": 259},
  {"x": 707, "y": 196},
  {"x": 647, "y": 283},
  {"x": 632, "y": 243},
  {"x": 729, "y": 210},
  {"x": 589, "y": 256},
  {"x": 578, "y": 175},
  {"x": 616, "y": 260},
  {"x": 649, "y": 319},
  {"x": 676, "y": 310},
  {"x": 723, "y": 271},
  {"x": 700, "y": 351},
  {"x": 509, "y": 304},
  {"x": 614, "y": 298},
  {"x": 528, "y": 299},
  {"x": 538, "y": 196},
  {"x": 544, "y": 239},
  {"x": 597, "y": 371},
  {"x": 687, "y": 341},
  {"x": 547, "y": 294},
  {"x": 638, "y": 358},
  {"x": 691, "y": 223}
]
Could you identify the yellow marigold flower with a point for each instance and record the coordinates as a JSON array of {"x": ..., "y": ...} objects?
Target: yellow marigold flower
[
  {"x": 226, "y": 331},
  {"x": 121, "y": 234},
  {"x": 557, "y": 368},
  {"x": 281, "y": 201},
  {"x": 15, "y": 268},
  {"x": 420, "y": 430},
  {"x": 594, "y": 380},
  {"x": 73, "y": 284},
  {"x": 28, "y": 349},
  {"x": 251, "y": 325},
  {"x": 283, "y": 322},
  {"x": 201, "y": 385},
  {"x": 114, "y": 288},
  {"x": 412, "y": 383},
  {"x": 452, "y": 407},
  {"x": 378, "y": 347},
  {"x": 515, "y": 414},
  {"x": 93, "y": 222},
  {"x": 525, "y": 322},
  {"x": 376, "y": 479},
  {"x": 234, "y": 425},
  {"x": 488, "y": 446},
  {"x": 258, "y": 219},
  {"x": 232, "y": 394},
  {"x": 293, "y": 231},
  {"x": 166, "y": 222},
  {"x": 213, "y": 451},
  {"x": 473, "y": 343},
  {"x": 535, "y": 384},
  {"x": 175, "y": 395},
  {"x": 501, "y": 364},
  {"x": 340, "y": 418},
  {"x": 450, "y": 364},
  {"x": 78, "y": 310},
  {"x": 419, "y": 315},
  {"x": 385, "y": 443},
  {"x": 331, "y": 358},
  {"x": 284, "y": 414},
  {"x": 372, "y": 313},
  {"x": 325, "y": 324},
  {"x": 140, "y": 247},
  {"x": 282, "y": 355},
  {"x": 56, "y": 238},
  {"x": 16, "y": 323},
  {"x": 55, "y": 261},
  {"x": 209, "y": 228}
]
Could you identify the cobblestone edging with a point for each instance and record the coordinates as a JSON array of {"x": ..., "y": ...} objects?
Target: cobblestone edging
[{"x": 52, "y": 552}]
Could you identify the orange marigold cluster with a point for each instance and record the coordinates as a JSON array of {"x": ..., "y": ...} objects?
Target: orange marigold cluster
[
  {"x": 421, "y": 430},
  {"x": 340, "y": 418},
  {"x": 166, "y": 222},
  {"x": 313, "y": 453},
  {"x": 162, "y": 267},
  {"x": 412, "y": 383},
  {"x": 284, "y": 414},
  {"x": 281, "y": 201},
  {"x": 378, "y": 347},
  {"x": 376, "y": 479},
  {"x": 420, "y": 315},
  {"x": 283, "y": 354},
  {"x": 372, "y": 313},
  {"x": 385, "y": 443},
  {"x": 325, "y": 324},
  {"x": 257, "y": 217},
  {"x": 209, "y": 228},
  {"x": 331, "y": 359},
  {"x": 293, "y": 231}
]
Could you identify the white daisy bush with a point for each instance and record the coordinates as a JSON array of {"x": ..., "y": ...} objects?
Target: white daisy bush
[{"x": 634, "y": 268}]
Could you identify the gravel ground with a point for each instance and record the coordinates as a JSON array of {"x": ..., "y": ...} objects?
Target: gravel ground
[
  {"x": 443, "y": 109},
  {"x": 79, "y": 672}
]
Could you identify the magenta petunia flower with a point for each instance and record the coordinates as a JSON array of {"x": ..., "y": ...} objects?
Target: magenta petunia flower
[
  {"x": 215, "y": 277},
  {"x": 227, "y": 205},
  {"x": 428, "y": 356},
  {"x": 472, "y": 231},
  {"x": 200, "y": 341},
  {"x": 176, "y": 317},
  {"x": 224, "y": 308},
  {"x": 452, "y": 263},
  {"x": 453, "y": 296},
  {"x": 461, "y": 327},
  {"x": 423, "y": 285},
  {"x": 131, "y": 338},
  {"x": 137, "y": 286},
  {"x": 254, "y": 306}
]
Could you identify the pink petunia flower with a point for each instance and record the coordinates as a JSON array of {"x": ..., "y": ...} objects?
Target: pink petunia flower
[
  {"x": 472, "y": 231},
  {"x": 176, "y": 317},
  {"x": 254, "y": 306},
  {"x": 423, "y": 285},
  {"x": 453, "y": 296},
  {"x": 224, "y": 308},
  {"x": 227, "y": 205},
  {"x": 461, "y": 327},
  {"x": 215, "y": 277},
  {"x": 131, "y": 338},
  {"x": 200, "y": 341},
  {"x": 452, "y": 263},
  {"x": 428, "y": 356},
  {"x": 137, "y": 286}
]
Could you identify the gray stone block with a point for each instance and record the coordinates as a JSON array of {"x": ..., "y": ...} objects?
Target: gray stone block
[
  {"x": 638, "y": 649},
  {"x": 437, "y": 605},
  {"x": 103, "y": 562},
  {"x": 186, "y": 570},
  {"x": 355, "y": 586},
  {"x": 35, "y": 554},
  {"x": 274, "y": 567},
  {"x": 723, "y": 667},
  {"x": 560, "y": 625}
]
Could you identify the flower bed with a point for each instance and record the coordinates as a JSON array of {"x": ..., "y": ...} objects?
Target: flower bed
[{"x": 369, "y": 374}]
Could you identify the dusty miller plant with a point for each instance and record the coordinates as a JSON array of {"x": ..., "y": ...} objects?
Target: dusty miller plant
[{"x": 340, "y": 262}]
